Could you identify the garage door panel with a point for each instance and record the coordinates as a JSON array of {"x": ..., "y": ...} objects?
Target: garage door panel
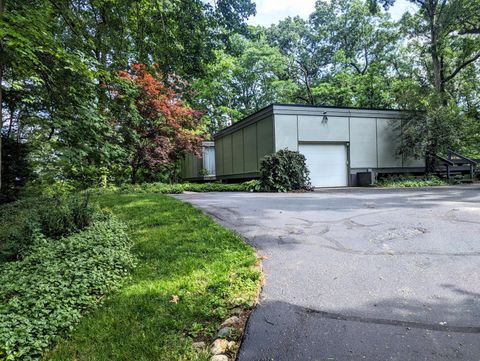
[{"x": 327, "y": 164}]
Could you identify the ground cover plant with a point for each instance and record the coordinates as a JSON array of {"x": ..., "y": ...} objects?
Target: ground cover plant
[
  {"x": 191, "y": 273},
  {"x": 410, "y": 181},
  {"x": 54, "y": 281},
  {"x": 177, "y": 188}
]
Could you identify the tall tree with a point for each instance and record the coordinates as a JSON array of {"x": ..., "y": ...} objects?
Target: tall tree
[
  {"x": 2, "y": 55},
  {"x": 240, "y": 84},
  {"x": 294, "y": 38},
  {"x": 449, "y": 30}
]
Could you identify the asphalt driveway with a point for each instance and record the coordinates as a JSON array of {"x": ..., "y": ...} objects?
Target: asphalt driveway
[{"x": 365, "y": 274}]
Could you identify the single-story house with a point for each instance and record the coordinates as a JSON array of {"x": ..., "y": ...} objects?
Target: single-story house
[{"x": 339, "y": 143}]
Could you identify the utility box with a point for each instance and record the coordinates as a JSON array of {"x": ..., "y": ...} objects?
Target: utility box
[{"x": 365, "y": 179}]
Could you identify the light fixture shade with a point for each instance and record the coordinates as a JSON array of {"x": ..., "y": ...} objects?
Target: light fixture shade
[{"x": 325, "y": 118}]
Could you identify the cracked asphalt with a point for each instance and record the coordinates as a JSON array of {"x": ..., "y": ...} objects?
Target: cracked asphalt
[{"x": 360, "y": 274}]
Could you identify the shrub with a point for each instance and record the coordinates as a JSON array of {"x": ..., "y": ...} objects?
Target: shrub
[
  {"x": 54, "y": 217},
  {"x": 410, "y": 181},
  {"x": 253, "y": 186},
  {"x": 43, "y": 295},
  {"x": 46, "y": 187},
  {"x": 283, "y": 171}
]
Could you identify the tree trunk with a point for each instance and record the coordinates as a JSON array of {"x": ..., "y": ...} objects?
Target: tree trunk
[
  {"x": 2, "y": 65},
  {"x": 437, "y": 60},
  {"x": 135, "y": 166}
]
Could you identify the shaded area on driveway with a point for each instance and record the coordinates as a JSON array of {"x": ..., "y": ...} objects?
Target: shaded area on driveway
[{"x": 361, "y": 274}]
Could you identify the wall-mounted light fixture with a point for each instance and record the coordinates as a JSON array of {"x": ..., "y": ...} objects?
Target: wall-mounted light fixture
[{"x": 325, "y": 118}]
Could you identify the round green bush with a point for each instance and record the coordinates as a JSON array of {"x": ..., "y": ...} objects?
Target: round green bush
[{"x": 284, "y": 171}]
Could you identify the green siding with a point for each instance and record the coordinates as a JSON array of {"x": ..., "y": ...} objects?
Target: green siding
[
  {"x": 265, "y": 142},
  {"x": 219, "y": 156},
  {"x": 191, "y": 166},
  {"x": 227, "y": 155},
  {"x": 237, "y": 144},
  {"x": 250, "y": 148}
]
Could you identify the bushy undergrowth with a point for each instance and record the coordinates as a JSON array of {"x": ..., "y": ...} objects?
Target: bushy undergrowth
[
  {"x": 284, "y": 171},
  {"x": 410, "y": 181},
  {"x": 52, "y": 217},
  {"x": 44, "y": 294},
  {"x": 178, "y": 188}
]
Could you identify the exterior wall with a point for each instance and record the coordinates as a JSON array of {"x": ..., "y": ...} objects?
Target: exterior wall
[
  {"x": 363, "y": 143},
  {"x": 315, "y": 129},
  {"x": 388, "y": 140},
  {"x": 192, "y": 167},
  {"x": 227, "y": 155},
  {"x": 372, "y": 136},
  {"x": 286, "y": 132},
  {"x": 238, "y": 157},
  {"x": 241, "y": 150},
  {"x": 209, "y": 159},
  {"x": 219, "y": 157},
  {"x": 265, "y": 141},
  {"x": 249, "y": 148}
]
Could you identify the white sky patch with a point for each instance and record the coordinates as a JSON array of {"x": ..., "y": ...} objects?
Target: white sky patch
[{"x": 272, "y": 11}]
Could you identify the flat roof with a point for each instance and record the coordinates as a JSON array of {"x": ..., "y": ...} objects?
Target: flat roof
[
  {"x": 279, "y": 107},
  {"x": 330, "y": 107}
]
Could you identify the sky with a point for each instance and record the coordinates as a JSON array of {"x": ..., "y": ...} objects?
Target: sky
[{"x": 271, "y": 11}]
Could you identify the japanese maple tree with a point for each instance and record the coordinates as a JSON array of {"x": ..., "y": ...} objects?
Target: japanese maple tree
[{"x": 157, "y": 124}]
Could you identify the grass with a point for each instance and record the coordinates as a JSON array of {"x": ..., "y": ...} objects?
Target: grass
[
  {"x": 406, "y": 182},
  {"x": 191, "y": 273}
]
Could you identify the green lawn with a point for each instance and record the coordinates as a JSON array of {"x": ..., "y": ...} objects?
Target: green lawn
[{"x": 181, "y": 252}]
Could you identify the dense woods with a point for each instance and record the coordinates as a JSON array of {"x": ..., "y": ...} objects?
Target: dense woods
[{"x": 111, "y": 91}]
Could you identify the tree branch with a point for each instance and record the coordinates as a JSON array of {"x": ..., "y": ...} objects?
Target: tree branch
[
  {"x": 473, "y": 31},
  {"x": 461, "y": 66}
]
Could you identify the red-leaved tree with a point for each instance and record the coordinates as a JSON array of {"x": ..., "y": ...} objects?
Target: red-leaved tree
[{"x": 157, "y": 125}]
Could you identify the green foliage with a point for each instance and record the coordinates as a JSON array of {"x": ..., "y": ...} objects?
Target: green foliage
[
  {"x": 253, "y": 185},
  {"x": 182, "y": 252},
  {"x": 406, "y": 181},
  {"x": 237, "y": 85},
  {"x": 430, "y": 133},
  {"x": 57, "y": 57},
  {"x": 57, "y": 60},
  {"x": 53, "y": 217},
  {"x": 177, "y": 188},
  {"x": 284, "y": 171},
  {"x": 16, "y": 170},
  {"x": 45, "y": 294}
]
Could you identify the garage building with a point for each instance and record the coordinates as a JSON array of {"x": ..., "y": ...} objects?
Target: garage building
[{"x": 338, "y": 143}]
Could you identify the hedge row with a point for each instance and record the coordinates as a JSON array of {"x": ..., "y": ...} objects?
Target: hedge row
[{"x": 178, "y": 188}]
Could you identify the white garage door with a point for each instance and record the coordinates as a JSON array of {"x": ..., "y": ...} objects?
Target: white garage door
[{"x": 327, "y": 164}]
